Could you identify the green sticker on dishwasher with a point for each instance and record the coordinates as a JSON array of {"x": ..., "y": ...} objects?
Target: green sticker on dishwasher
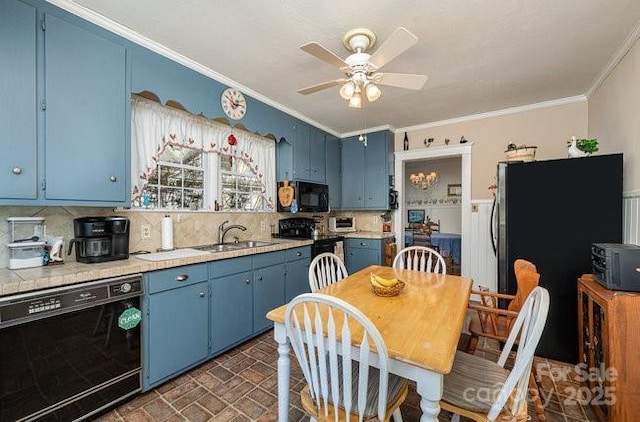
[{"x": 129, "y": 318}]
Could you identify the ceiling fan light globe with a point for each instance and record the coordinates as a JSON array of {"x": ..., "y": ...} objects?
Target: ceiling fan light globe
[
  {"x": 347, "y": 90},
  {"x": 372, "y": 92},
  {"x": 356, "y": 101}
]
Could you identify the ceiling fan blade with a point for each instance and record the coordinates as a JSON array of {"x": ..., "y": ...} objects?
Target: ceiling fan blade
[
  {"x": 320, "y": 87},
  {"x": 323, "y": 54},
  {"x": 396, "y": 44},
  {"x": 403, "y": 80}
]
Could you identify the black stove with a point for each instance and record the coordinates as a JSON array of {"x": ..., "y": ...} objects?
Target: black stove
[{"x": 302, "y": 228}]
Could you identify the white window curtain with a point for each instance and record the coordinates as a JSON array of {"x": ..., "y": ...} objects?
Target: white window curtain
[{"x": 154, "y": 127}]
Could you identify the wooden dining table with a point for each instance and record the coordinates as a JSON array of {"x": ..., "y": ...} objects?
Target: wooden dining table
[{"x": 421, "y": 328}]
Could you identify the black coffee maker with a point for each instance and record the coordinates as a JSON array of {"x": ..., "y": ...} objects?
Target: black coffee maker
[{"x": 100, "y": 239}]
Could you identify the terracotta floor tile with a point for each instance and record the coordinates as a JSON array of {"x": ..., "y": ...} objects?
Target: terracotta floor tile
[
  {"x": 262, "y": 397},
  {"x": 242, "y": 385},
  {"x": 196, "y": 413},
  {"x": 159, "y": 409},
  {"x": 188, "y": 398},
  {"x": 212, "y": 403}
]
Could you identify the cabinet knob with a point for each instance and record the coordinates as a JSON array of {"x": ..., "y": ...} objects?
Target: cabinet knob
[
  {"x": 247, "y": 281},
  {"x": 17, "y": 170},
  {"x": 201, "y": 294},
  {"x": 363, "y": 244},
  {"x": 113, "y": 178},
  {"x": 298, "y": 253},
  {"x": 260, "y": 278},
  {"x": 182, "y": 277}
]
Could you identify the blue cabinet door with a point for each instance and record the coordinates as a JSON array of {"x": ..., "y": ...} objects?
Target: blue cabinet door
[
  {"x": 18, "y": 118},
  {"x": 297, "y": 278},
  {"x": 86, "y": 129},
  {"x": 376, "y": 181},
  {"x": 333, "y": 173},
  {"x": 268, "y": 294},
  {"x": 231, "y": 310},
  {"x": 177, "y": 331},
  {"x": 360, "y": 253},
  {"x": 317, "y": 156},
  {"x": 352, "y": 173},
  {"x": 301, "y": 153}
]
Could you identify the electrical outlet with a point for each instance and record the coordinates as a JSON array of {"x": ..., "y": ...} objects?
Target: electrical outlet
[
  {"x": 375, "y": 220},
  {"x": 474, "y": 207},
  {"x": 145, "y": 231}
]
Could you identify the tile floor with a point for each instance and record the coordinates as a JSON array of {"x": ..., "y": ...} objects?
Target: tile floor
[{"x": 241, "y": 385}]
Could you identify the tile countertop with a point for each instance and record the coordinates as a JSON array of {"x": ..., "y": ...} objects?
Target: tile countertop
[
  {"x": 28, "y": 279},
  {"x": 367, "y": 235}
]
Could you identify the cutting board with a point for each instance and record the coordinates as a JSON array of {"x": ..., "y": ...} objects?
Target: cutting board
[{"x": 285, "y": 193}]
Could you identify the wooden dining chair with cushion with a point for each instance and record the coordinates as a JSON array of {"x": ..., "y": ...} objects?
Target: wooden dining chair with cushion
[
  {"x": 420, "y": 258},
  {"x": 489, "y": 321},
  {"x": 484, "y": 390},
  {"x": 326, "y": 268},
  {"x": 333, "y": 342}
]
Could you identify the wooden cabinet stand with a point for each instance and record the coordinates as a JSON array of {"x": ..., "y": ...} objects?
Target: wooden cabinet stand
[{"x": 609, "y": 325}]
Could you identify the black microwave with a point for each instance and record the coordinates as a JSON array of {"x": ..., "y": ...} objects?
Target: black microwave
[{"x": 308, "y": 197}]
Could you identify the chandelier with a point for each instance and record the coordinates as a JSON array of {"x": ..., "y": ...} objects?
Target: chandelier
[{"x": 424, "y": 181}]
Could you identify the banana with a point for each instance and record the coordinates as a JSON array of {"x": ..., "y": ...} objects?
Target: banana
[
  {"x": 374, "y": 282},
  {"x": 383, "y": 282}
]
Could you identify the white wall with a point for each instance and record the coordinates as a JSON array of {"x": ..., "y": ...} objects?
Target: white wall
[{"x": 435, "y": 200}]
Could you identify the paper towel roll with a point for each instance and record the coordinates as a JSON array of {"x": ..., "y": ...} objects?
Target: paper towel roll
[{"x": 167, "y": 233}]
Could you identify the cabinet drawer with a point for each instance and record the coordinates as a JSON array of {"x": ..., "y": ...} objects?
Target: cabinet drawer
[
  {"x": 363, "y": 243},
  {"x": 229, "y": 266},
  {"x": 298, "y": 253},
  {"x": 172, "y": 278},
  {"x": 268, "y": 259}
]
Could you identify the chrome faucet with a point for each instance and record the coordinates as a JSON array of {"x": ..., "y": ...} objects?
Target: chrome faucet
[{"x": 222, "y": 230}]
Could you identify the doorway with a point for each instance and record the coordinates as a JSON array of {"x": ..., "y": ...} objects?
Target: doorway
[{"x": 405, "y": 160}]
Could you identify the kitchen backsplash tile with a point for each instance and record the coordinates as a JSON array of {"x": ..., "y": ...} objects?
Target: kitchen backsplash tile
[{"x": 189, "y": 229}]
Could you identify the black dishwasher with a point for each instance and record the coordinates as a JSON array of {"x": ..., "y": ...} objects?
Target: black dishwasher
[{"x": 68, "y": 353}]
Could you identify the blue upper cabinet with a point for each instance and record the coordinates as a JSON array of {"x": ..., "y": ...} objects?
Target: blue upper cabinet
[
  {"x": 317, "y": 155},
  {"x": 86, "y": 129},
  {"x": 64, "y": 109},
  {"x": 334, "y": 172},
  {"x": 303, "y": 155},
  {"x": 18, "y": 160},
  {"x": 365, "y": 172}
]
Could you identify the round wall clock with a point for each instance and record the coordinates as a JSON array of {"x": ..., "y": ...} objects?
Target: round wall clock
[{"x": 233, "y": 103}]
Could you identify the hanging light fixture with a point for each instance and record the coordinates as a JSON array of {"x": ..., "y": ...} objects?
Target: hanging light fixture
[
  {"x": 360, "y": 82},
  {"x": 356, "y": 100},
  {"x": 424, "y": 181}
]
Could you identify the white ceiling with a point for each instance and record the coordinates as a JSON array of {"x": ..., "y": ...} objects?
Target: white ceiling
[{"x": 480, "y": 56}]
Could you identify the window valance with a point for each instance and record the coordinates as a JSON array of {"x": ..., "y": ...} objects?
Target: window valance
[{"x": 155, "y": 127}]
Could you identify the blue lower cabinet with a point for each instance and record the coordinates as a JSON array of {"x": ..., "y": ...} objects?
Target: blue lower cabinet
[
  {"x": 297, "y": 272},
  {"x": 268, "y": 294},
  {"x": 231, "y": 310},
  {"x": 176, "y": 326},
  {"x": 360, "y": 253}
]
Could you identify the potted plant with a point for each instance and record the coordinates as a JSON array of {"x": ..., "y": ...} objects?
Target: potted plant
[{"x": 581, "y": 147}]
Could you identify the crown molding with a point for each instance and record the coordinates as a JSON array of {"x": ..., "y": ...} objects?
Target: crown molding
[
  {"x": 123, "y": 31},
  {"x": 510, "y": 110},
  {"x": 627, "y": 44},
  {"x": 367, "y": 130}
]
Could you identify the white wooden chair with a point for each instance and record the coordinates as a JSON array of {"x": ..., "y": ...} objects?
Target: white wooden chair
[
  {"x": 420, "y": 258},
  {"x": 338, "y": 387},
  {"x": 326, "y": 268},
  {"x": 483, "y": 390}
]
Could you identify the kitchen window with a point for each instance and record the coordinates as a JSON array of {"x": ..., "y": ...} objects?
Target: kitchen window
[{"x": 187, "y": 162}]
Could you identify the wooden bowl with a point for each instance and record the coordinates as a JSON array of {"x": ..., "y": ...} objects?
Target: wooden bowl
[{"x": 388, "y": 291}]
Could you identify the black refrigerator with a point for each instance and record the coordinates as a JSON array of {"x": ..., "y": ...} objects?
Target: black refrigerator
[{"x": 549, "y": 213}]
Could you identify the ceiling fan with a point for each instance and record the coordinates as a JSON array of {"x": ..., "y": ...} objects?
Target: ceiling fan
[{"x": 362, "y": 77}]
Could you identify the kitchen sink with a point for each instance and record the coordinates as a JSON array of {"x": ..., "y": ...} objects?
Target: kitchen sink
[{"x": 234, "y": 246}]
